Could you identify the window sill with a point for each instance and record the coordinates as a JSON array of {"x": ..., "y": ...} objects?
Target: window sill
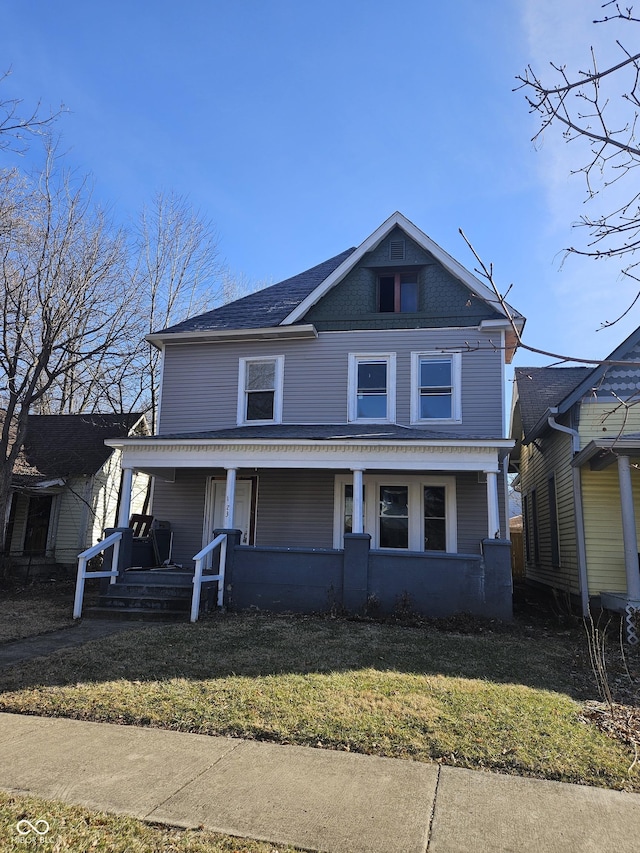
[{"x": 436, "y": 421}]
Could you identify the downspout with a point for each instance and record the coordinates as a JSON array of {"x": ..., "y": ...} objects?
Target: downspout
[{"x": 579, "y": 519}]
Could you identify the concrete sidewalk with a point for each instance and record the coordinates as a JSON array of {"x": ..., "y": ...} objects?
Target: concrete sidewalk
[{"x": 310, "y": 798}]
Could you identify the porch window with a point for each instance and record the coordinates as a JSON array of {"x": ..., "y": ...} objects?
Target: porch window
[
  {"x": 260, "y": 390},
  {"x": 372, "y": 388},
  {"x": 435, "y": 519},
  {"x": 404, "y": 512},
  {"x": 348, "y": 507},
  {"x": 435, "y": 387}
]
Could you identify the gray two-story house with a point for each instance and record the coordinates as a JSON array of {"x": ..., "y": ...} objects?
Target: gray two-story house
[{"x": 349, "y": 422}]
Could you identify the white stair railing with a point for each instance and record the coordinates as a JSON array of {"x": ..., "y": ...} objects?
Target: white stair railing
[
  {"x": 113, "y": 539},
  {"x": 199, "y": 577}
]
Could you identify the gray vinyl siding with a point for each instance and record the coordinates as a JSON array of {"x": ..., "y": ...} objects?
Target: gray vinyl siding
[
  {"x": 182, "y": 505},
  {"x": 200, "y": 381},
  {"x": 295, "y": 509},
  {"x": 471, "y": 495}
]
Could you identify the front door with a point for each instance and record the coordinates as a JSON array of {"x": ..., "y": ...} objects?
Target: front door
[{"x": 214, "y": 513}]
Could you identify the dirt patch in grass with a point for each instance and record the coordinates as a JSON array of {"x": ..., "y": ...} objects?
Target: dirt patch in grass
[{"x": 37, "y": 608}]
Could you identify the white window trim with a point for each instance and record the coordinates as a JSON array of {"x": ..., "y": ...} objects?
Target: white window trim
[
  {"x": 352, "y": 386},
  {"x": 372, "y": 483},
  {"x": 456, "y": 387},
  {"x": 278, "y": 390}
]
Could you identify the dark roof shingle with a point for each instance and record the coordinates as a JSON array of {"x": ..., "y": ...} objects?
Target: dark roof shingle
[
  {"x": 542, "y": 388},
  {"x": 265, "y": 308},
  {"x": 318, "y": 432},
  {"x": 70, "y": 445}
]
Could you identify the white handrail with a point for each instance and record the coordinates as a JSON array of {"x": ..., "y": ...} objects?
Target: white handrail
[
  {"x": 113, "y": 539},
  {"x": 199, "y": 578}
]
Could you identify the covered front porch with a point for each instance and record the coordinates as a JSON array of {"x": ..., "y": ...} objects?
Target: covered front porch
[
  {"x": 303, "y": 500},
  {"x": 610, "y": 491}
]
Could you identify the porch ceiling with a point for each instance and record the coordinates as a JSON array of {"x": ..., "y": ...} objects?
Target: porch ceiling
[{"x": 324, "y": 446}]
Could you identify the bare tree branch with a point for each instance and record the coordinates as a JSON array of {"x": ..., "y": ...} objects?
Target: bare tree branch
[
  {"x": 63, "y": 298},
  {"x": 599, "y": 108},
  {"x": 16, "y": 125}
]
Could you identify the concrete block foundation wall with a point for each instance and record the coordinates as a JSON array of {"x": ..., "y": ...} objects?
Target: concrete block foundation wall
[{"x": 360, "y": 581}]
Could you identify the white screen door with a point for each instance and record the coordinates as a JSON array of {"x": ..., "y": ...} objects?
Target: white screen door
[{"x": 214, "y": 511}]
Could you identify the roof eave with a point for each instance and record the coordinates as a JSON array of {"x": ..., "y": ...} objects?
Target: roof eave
[{"x": 265, "y": 333}]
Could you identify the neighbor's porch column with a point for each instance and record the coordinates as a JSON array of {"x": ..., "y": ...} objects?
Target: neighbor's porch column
[
  {"x": 629, "y": 537},
  {"x": 493, "y": 512},
  {"x": 125, "y": 497},
  {"x": 358, "y": 501},
  {"x": 229, "y": 498}
]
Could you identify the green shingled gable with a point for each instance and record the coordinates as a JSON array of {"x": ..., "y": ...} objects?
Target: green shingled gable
[{"x": 443, "y": 301}]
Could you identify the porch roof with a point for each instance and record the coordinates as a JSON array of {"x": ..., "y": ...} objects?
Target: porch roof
[
  {"x": 337, "y": 446},
  {"x": 600, "y": 453}
]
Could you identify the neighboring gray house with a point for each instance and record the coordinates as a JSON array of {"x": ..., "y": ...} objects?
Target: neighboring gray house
[
  {"x": 66, "y": 487},
  {"x": 356, "y": 407}
]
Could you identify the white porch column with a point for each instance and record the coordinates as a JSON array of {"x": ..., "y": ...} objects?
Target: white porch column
[
  {"x": 125, "y": 497},
  {"x": 229, "y": 498},
  {"x": 356, "y": 521},
  {"x": 629, "y": 536},
  {"x": 493, "y": 512}
]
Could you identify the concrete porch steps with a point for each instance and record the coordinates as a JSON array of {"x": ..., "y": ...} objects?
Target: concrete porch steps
[{"x": 154, "y": 595}]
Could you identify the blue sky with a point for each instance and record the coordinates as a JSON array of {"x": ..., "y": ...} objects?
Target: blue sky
[{"x": 298, "y": 127}]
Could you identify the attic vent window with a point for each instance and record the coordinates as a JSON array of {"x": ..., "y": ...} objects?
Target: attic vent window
[{"x": 396, "y": 250}]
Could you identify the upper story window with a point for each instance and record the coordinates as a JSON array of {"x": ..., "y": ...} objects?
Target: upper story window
[
  {"x": 435, "y": 388},
  {"x": 260, "y": 383},
  {"x": 398, "y": 292},
  {"x": 372, "y": 388}
]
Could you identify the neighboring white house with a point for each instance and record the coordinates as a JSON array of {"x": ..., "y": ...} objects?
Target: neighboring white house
[{"x": 66, "y": 488}]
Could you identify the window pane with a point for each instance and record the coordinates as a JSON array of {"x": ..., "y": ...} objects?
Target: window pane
[
  {"x": 435, "y": 374},
  {"x": 394, "y": 532},
  {"x": 260, "y": 406},
  {"x": 386, "y": 293},
  {"x": 261, "y": 375},
  {"x": 394, "y": 500},
  {"x": 408, "y": 295},
  {"x": 394, "y": 517},
  {"x": 434, "y": 502},
  {"x": 435, "y": 526},
  {"x": 372, "y": 406},
  {"x": 372, "y": 376},
  {"x": 435, "y": 534},
  {"x": 435, "y": 406}
]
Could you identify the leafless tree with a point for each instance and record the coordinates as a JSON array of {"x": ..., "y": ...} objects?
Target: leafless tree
[
  {"x": 63, "y": 298},
  {"x": 598, "y": 108},
  {"x": 178, "y": 273},
  {"x": 17, "y": 124}
]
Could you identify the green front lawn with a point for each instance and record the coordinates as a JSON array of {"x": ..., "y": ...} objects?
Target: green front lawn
[{"x": 497, "y": 701}]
